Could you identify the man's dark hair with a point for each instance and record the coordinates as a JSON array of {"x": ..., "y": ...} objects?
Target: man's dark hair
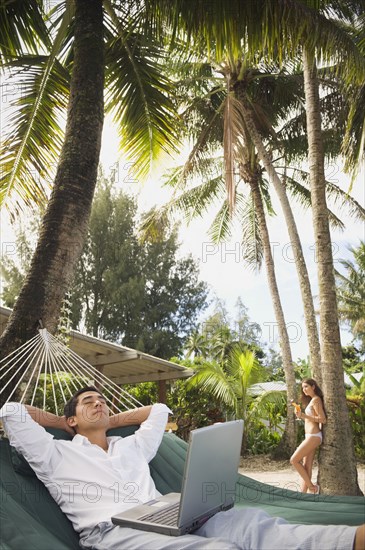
[{"x": 70, "y": 406}]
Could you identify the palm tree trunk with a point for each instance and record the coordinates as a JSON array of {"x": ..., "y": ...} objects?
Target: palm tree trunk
[
  {"x": 288, "y": 442},
  {"x": 304, "y": 283},
  {"x": 338, "y": 474},
  {"x": 65, "y": 223}
]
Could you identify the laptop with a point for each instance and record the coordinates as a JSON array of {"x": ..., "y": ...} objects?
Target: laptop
[{"x": 208, "y": 485}]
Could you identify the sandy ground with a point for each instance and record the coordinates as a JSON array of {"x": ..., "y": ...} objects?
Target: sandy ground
[{"x": 280, "y": 474}]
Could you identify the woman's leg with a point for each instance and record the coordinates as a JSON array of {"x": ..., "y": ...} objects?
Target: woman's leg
[
  {"x": 307, "y": 446},
  {"x": 308, "y": 465}
]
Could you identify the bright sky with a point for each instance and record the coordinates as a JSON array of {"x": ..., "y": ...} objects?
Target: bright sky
[{"x": 221, "y": 266}]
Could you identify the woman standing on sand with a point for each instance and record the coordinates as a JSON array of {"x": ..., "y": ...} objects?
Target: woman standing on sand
[{"x": 313, "y": 416}]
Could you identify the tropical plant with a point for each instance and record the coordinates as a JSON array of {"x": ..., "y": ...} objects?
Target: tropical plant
[
  {"x": 196, "y": 345},
  {"x": 239, "y": 109},
  {"x": 217, "y": 335},
  {"x": 45, "y": 46},
  {"x": 261, "y": 440},
  {"x": 230, "y": 384},
  {"x": 276, "y": 31},
  {"x": 356, "y": 406},
  {"x": 353, "y": 358},
  {"x": 190, "y": 407},
  {"x": 351, "y": 292}
]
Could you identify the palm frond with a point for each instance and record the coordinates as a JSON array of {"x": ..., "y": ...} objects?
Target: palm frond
[
  {"x": 345, "y": 201},
  {"x": 22, "y": 29},
  {"x": 292, "y": 134},
  {"x": 138, "y": 96},
  {"x": 212, "y": 378},
  {"x": 34, "y": 137},
  {"x": 221, "y": 228},
  {"x": 204, "y": 141},
  {"x": 234, "y": 129},
  {"x": 334, "y": 193},
  {"x": 354, "y": 141},
  {"x": 190, "y": 204},
  {"x": 260, "y": 403},
  {"x": 242, "y": 366},
  {"x": 277, "y": 30},
  {"x": 252, "y": 249},
  {"x": 195, "y": 201}
]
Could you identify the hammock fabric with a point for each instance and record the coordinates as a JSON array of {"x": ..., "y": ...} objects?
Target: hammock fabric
[{"x": 30, "y": 519}]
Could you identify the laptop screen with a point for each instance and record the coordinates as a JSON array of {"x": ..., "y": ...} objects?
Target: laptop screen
[{"x": 211, "y": 470}]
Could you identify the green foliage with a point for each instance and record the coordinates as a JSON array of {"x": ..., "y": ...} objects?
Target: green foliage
[
  {"x": 229, "y": 383},
  {"x": 190, "y": 407},
  {"x": 302, "y": 369},
  {"x": 36, "y": 40},
  {"x": 351, "y": 293},
  {"x": 146, "y": 392},
  {"x": 193, "y": 408},
  {"x": 353, "y": 359},
  {"x": 14, "y": 268},
  {"x": 139, "y": 294},
  {"x": 260, "y": 439},
  {"x": 53, "y": 389},
  {"x": 274, "y": 365},
  {"x": 356, "y": 406},
  {"x": 217, "y": 336},
  {"x": 134, "y": 292}
]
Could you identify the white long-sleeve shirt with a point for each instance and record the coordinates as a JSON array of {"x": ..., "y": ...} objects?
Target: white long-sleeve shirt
[{"x": 89, "y": 484}]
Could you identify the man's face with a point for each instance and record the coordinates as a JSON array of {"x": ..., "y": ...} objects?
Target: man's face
[{"x": 92, "y": 412}]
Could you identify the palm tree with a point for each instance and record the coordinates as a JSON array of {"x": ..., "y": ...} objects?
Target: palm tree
[
  {"x": 250, "y": 85},
  {"x": 65, "y": 223},
  {"x": 329, "y": 311},
  {"x": 196, "y": 345},
  {"x": 230, "y": 383},
  {"x": 137, "y": 97},
  {"x": 339, "y": 455},
  {"x": 34, "y": 142}
]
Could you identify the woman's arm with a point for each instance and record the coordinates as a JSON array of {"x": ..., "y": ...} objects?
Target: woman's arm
[{"x": 319, "y": 415}]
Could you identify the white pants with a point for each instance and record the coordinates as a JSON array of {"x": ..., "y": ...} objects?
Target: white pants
[{"x": 236, "y": 529}]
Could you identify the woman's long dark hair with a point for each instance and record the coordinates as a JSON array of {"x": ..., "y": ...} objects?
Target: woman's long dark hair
[{"x": 305, "y": 399}]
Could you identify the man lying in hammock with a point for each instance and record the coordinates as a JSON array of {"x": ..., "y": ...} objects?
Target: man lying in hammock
[{"x": 94, "y": 477}]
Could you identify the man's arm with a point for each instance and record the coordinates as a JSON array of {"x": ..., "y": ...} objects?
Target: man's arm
[
  {"x": 29, "y": 437},
  {"x": 149, "y": 435},
  {"x": 129, "y": 418},
  {"x": 49, "y": 420},
  {"x": 126, "y": 418}
]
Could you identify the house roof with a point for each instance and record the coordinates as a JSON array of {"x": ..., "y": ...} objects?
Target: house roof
[
  {"x": 121, "y": 364},
  {"x": 262, "y": 387}
]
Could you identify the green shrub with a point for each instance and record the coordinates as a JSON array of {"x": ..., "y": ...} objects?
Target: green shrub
[
  {"x": 260, "y": 440},
  {"x": 356, "y": 405}
]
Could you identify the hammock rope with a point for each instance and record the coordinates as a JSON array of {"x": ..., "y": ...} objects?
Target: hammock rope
[{"x": 61, "y": 367}]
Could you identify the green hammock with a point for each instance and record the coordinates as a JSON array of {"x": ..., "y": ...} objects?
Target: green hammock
[{"x": 30, "y": 519}]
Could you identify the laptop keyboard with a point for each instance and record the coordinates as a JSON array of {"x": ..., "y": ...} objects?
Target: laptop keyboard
[{"x": 167, "y": 516}]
